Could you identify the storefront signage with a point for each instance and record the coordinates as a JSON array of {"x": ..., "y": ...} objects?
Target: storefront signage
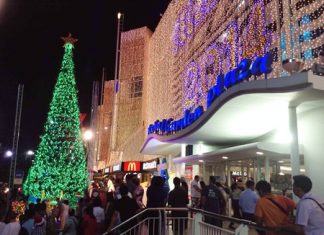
[
  {"x": 169, "y": 126},
  {"x": 261, "y": 65},
  {"x": 116, "y": 167},
  {"x": 238, "y": 173},
  {"x": 19, "y": 177},
  {"x": 151, "y": 165},
  {"x": 97, "y": 174},
  {"x": 19, "y": 174},
  {"x": 132, "y": 166}
]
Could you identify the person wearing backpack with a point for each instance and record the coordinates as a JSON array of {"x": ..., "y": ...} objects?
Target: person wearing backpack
[{"x": 310, "y": 209}]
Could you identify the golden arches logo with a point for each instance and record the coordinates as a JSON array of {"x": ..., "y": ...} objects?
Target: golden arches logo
[{"x": 131, "y": 166}]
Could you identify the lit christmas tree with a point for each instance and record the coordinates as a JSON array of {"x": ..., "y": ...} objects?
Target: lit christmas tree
[{"x": 59, "y": 169}]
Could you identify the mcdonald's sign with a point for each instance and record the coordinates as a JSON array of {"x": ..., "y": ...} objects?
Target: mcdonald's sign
[{"x": 132, "y": 166}]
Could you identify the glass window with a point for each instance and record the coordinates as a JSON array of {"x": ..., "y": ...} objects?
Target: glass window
[{"x": 136, "y": 87}]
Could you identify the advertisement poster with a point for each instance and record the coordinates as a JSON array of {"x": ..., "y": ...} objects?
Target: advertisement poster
[{"x": 188, "y": 173}]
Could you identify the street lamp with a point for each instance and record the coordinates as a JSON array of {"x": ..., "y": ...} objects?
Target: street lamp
[
  {"x": 30, "y": 153},
  {"x": 88, "y": 135},
  {"x": 9, "y": 153}
]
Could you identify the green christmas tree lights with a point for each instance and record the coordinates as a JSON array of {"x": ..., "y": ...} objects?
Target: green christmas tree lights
[{"x": 59, "y": 169}]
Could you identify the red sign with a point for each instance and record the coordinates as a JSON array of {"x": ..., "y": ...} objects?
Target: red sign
[
  {"x": 188, "y": 173},
  {"x": 132, "y": 166},
  {"x": 82, "y": 117}
]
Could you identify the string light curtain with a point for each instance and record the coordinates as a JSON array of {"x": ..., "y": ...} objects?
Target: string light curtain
[{"x": 197, "y": 40}]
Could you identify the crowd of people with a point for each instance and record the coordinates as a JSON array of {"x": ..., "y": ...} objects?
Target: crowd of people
[
  {"x": 105, "y": 206},
  {"x": 257, "y": 203}
]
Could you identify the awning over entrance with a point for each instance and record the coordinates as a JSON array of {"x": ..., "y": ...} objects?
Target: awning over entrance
[
  {"x": 273, "y": 151},
  {"x": 245, "y": 113}
]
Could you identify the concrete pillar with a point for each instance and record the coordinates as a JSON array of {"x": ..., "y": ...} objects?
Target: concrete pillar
[
  {"x": 294, "y": 146},
  {"x": 228, "y": 172},
  {"x": 204, "y": 172},
  {"x": 311, "y": 136},
  {"x": 195, "y": 170},
  {"x": 254, "y": 171},
  {"x": 170, "y": 163},
  {"x": 221, "y": 172},
  {"x": 182, "y": 166},
  {"x": 258, "y": 170},
  {"x": 248, "y": 171},
  {"x": 267, "y": 169},
  {"x": 242, "y": 171}
]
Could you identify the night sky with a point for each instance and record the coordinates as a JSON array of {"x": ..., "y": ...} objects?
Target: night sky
[{"x": 31, "y": 53}]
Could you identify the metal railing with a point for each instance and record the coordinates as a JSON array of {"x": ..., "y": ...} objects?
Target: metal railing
[
  {"x": 156, "y": 221},
  {"x": 179, "y": 221}
]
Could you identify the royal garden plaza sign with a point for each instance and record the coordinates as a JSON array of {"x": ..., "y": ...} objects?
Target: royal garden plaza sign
[{"x": 245, "y": 69}]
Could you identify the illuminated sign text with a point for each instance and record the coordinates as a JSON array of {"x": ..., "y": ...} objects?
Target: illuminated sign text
[
  {"x": 167, "y": 126},
  {"x": 149, "y": 165},
  {"x": 132, "y": 166},
  {"x": 261, "y": 65},
  {"x": 116, "y": 167}
]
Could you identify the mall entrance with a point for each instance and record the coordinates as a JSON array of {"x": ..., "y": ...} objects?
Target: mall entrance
[{"x": 257, "y": 161}]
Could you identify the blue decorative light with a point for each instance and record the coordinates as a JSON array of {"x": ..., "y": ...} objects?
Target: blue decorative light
[
  {"x": 190, "y": 18},
  {"x": 307, "y": 36},
  {"x": 305, "y": 20},
  {"x": 308, "y": 54}
]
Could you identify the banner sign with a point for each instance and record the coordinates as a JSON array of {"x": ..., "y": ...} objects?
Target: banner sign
[
  {"x": 19, "y": 174},
  {"x": 97, "y": 174},
  {"x": 116, "y": 167},
  {"x": 150, "y": 165},
  {"x": 132, "y": 166},
  {"x": 239, "y": 173}
]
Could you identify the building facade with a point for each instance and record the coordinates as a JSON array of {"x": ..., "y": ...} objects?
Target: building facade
[
  {"x": 226, "y": 89},
  {"x": 122, "y": 128}
]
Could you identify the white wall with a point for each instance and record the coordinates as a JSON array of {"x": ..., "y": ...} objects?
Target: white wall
[
  {"x": 311, "y": 135},
  {"x": 203, "y": 148}
]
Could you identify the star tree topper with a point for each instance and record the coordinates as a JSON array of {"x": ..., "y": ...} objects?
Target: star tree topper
[{"x": 69, "y": 39}]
